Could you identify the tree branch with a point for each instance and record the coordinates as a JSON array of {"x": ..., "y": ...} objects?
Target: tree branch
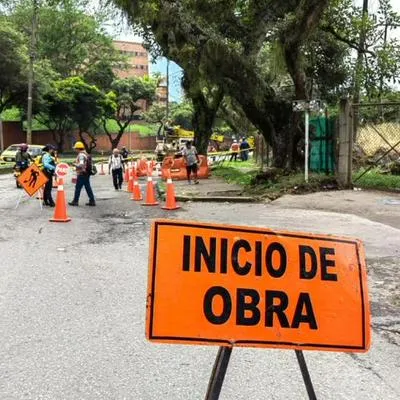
[{"x": 350, "y": 43}]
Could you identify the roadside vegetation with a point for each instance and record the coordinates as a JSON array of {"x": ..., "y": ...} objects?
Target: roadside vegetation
[
  {"x": 272, "y": 182},
  {"x": 377, "y": 180}
]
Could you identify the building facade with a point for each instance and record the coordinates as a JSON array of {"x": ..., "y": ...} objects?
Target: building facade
[
  {"x": 138, "y": 66},
  {"x": 138, "y": 59}
]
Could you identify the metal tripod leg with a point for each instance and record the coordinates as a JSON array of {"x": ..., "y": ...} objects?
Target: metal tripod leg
[
  {"x": 19, "y": 199},
  {"x": 306, "y": 375},
  {"x": 218, "y": 373}
]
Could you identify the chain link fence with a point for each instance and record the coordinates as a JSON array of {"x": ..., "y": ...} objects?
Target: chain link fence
[{"x": 377, "y": 141}]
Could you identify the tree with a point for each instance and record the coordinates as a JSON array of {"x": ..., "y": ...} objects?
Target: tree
[
  {"x": 221, "y": 40},
  {"x": 182, "y": 114},
  {"x": 101, "y": 75},
  {"x": 72, "y": 104},
  {"x": 13, "y": 63},
  {"x": 74, "y": 42},
  {"x": 206, "y": 99},
  {"x": 55, "y": 112},
  {"x": 87, "y": 108},
  {"x": 126, "y": 93},
  {"x": 377, "y": 63},
  {"x": 157, "y": 114}
]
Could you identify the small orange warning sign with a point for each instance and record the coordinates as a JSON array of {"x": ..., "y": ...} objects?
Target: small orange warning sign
[
  {"x": 242, "y": 286},
  {"x": 32, "y": 179}
]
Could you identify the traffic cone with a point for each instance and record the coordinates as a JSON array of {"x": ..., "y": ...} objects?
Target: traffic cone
[
  {"x": 130, "y": 182},
  {"x": 60, "y": 212},
  {"x": 137, "y": 193},
  {"x": 102, "y": 169},
  {"x": 126, "y": 177},
  {"x": 170, "y": 200},
  {"x": 150, "y": 195}
]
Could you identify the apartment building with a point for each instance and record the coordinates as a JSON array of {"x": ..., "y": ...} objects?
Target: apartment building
[{"x": 138, "y": 59}]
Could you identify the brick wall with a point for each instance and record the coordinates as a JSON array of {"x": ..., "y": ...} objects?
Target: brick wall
[{"x": 13, "y": 134}]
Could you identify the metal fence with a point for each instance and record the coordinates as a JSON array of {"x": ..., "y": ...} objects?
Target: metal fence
[{"x": 377, "y": 137}]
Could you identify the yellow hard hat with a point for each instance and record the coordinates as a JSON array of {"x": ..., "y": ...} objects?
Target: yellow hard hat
[{"x": 79, "y": 146}]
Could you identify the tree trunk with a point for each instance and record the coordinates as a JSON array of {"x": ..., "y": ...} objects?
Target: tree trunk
[
  {"x": 89, "y": 145},
  {"x": 203, "y": 120},
  {"x": 205, "y": 111},
  {"x": 59, "y": 139},
  {"x": 115, "y": 141}
]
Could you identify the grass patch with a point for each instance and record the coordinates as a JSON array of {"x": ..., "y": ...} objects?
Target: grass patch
[
  {"x": 375, "y": 179},
  {"x": 238, "y": 164},
  {"x": 235, "y": 175},
  {"x": 292, "y": 184},
  {"x": 273, "y": 183}
]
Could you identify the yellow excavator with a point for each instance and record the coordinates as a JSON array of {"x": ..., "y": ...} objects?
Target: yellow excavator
[{"x": 176, "y": 137}]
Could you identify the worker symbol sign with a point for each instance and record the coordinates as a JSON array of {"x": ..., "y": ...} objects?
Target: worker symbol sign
[
  {"x": 32, "y": 179},
  {"x": 241, "y": 286}
]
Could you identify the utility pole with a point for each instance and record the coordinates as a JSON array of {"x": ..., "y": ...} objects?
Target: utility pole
[
  {"x": 359, "y": 66},
  {"x": 31, "y": 73},
  {"x": 167, "y": 108}
]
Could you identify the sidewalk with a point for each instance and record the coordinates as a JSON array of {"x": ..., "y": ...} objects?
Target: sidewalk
[{"x": 212, "y": 189}]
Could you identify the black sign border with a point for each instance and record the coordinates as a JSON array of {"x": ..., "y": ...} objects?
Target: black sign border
[{"x": 158, "y": 224}]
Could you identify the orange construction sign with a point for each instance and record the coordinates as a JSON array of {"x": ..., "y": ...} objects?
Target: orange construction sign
[
  {"x": 32, "y": 179},
  {"x": 243, "y": 286}
]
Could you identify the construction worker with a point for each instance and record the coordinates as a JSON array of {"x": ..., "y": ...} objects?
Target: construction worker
[
  {"x": 83, "y": 165},
  {"x": 49, "y": 168},
  {"x": 22, "y": 157},
  {"x": 192, "y": 159},
  {"x": 234, "y": 150},
  {"x": 116, "y": 166},
  {"x": 244, "y": 149},
  {"x": 124, "y": 154},
  {"x": 22, "y": 161}
]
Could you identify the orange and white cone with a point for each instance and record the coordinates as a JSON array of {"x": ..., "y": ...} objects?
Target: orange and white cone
[
  {"x": 126, "y": 176},
  {"x": 60, "y": 212},
  {"x": 150, "y": 195},
  {"x": 170, "y": 203},
  {"x": 136, "y": 193},
  {"x": 130, "y": 181}
]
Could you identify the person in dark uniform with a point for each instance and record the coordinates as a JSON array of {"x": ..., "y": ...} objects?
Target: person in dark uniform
[{"x": 49, "y": 168}]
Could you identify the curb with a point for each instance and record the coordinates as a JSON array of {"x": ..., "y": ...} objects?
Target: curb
[{"x": 217, "y": 199}]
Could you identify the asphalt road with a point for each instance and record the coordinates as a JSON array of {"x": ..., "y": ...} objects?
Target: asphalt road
[{"x": 72, "y": 303}]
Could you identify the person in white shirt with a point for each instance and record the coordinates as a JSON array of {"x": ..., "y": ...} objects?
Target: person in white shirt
[{"x": 116, "y": 167}]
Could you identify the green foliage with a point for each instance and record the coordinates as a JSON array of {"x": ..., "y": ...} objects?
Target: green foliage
[
  {"x": 100, "y": 74},
  {"x": 374, "y": 179},
  {"x": 217, "y": 43},
  {"x": 378, "y": 66},
  {"x": 182, "y": 114},
  {"x": 157, "y": 113},
  {"x": 13, "y": 63},
  {"x": 72, "y": 41},
  {"x": 70, "y": 104},
  {"x": 121, "y": 103},
  {"x": 11, "y": 114}
]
